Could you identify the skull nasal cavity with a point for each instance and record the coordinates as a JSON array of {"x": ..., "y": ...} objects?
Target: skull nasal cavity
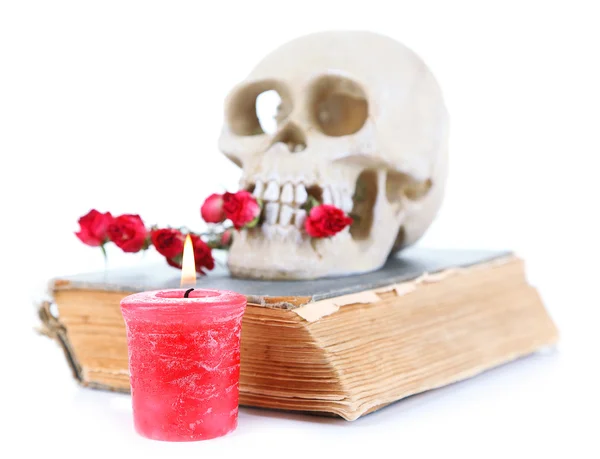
[{"x": 292, "y": 136}]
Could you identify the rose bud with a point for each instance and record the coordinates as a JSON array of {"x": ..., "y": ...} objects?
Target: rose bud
[
  {"x": 93, "y": 228},
  {"x": 242, "y": 209},
  {"x": 128, "y": 232},
  {"x": 325, "y": 221},
  {"x": 168, "y": 242},
  {"x": 212, "y": 209}
]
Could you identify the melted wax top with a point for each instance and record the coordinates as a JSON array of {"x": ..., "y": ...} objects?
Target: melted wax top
[{"x": 199, "y": 301}]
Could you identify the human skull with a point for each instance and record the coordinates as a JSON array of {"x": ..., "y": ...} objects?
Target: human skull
[{"x": 361, "y": 125}]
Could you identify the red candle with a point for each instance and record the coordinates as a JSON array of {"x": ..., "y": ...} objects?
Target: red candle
[{"x": 184, "y": 362}]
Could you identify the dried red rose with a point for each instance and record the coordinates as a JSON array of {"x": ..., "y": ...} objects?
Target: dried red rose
[
  {"x": 202, "y": 255},
  {"x": 128, "y": 233},
  {"x": 212, "y": 209},
  {"x": 168, "y": 241},
  {"x": 326, "y": 221},
  {"x": 93, "y": 228},
  {"x": 241, "y": 208}
]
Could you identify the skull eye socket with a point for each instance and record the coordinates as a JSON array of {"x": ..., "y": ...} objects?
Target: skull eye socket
[
  {"x": 339, "y": 106},
  {"x": 258, "y": 108}
]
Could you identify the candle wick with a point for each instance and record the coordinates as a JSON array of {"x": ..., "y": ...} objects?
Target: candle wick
[{"x": 187, "y": 293}]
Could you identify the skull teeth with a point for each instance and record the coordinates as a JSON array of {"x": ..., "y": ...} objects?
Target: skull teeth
[
  {"x": 301, "y": 194},
  {"x": 299, "y": 219},
  {"x": 272, "y": 191},
  {"x": 327, "y": 196},
  {"x": 283, "y": 202},
  {"x": 259, "y": 189},
  {"x": 285, "y": 217},
  {"x": 347, "y": 203},
  {"x": 271, "y": 212},
  {"x": 287, "y": 193},
  {"x": 337, "y": 197}
]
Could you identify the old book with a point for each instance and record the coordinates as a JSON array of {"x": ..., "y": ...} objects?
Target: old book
[{"x": 344, "y": 346}]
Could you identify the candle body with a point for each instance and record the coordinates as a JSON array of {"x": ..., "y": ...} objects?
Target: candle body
[{"x": 184, "y": 362}]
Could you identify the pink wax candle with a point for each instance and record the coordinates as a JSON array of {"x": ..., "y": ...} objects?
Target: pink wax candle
[{"x": 184, "y": 362}]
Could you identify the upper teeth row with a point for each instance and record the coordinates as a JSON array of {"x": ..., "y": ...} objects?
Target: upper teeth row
[{"x": 289, "y": 194}]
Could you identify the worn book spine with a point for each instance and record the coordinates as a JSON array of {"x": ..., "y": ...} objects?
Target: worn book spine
[{"x": 347, "y": 355}]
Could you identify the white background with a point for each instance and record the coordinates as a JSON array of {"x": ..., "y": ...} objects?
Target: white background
[{"x": 118, "y": 104}]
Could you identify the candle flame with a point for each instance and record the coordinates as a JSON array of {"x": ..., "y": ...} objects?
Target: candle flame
[{"x": 188, "y": 265}]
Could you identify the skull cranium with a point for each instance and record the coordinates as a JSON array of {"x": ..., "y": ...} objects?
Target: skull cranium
[{"x": 361, "y": 125}]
